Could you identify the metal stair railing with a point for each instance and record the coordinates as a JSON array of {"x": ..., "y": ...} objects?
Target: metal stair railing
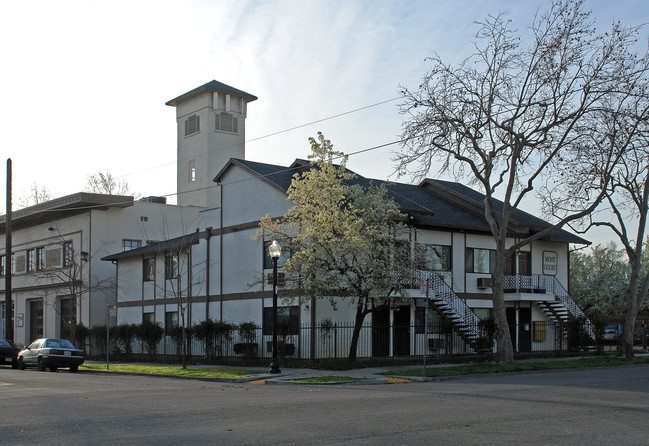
[
  {"x": 562, "y": 294},
  {"x": 548, "y": 284},
  {"x": 457, "y": 305}
]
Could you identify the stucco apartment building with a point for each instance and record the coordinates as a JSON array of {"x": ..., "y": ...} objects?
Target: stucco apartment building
[
  {"x": 220, "y": 272},
  {"x": 58, "y": 278}
]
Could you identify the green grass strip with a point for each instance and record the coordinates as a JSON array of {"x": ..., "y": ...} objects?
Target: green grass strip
[
  {"x": 194, "y": 372},
  {"x": 486, "y": 368},
  {"x": 327, "y": 379}
]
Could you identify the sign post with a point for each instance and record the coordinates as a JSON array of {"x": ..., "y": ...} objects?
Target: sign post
[
  {"x": 112, "y": 312},
  {"x": 424, "y": 287}
]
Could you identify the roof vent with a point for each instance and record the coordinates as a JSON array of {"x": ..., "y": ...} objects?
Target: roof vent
[{"x": 153, "y": 199}]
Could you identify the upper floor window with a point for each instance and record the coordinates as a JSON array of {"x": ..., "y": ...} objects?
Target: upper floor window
[
  {"x": 67, "y": 254},
  {"x": 192, "y": 125},
  {"x": 171, "y": 266},
  {"x": 40, "y": 259},
  {"x": 192, "y": 171},
  {"x": 268, "y": 261},
  {"x": 148, "y": 269},
  {"x": 3, "y": 265},
  {"x": 130, "y": 244},
  {"x": 31, "y": 260},
  {"x": 435, "y": 257},
  {"x": 479, "y": 260},
  {"x": 226, "y": 122}
]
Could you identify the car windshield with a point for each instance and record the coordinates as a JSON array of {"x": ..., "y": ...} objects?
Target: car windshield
[
  {"x": 4, "y": 343},
  {"x": 58, "y": 343}
]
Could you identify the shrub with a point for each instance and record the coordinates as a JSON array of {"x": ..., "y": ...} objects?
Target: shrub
[
  {"x": 124, "y": 335},
  {"x": 81, "y": 336},
  {"x": 150, "y": 334}
]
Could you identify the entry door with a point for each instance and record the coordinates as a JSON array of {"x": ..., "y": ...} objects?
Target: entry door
[
  {"x": 68, "y": 317},
  {"x": 381, "y": 331},
  {"x": 401, "y": 332},
  {"x": 35, "y": 320},
  {"x": 511, "y": 321},
  {"x": 524, "y": 329},
  {"x": 520, "y": 333}
]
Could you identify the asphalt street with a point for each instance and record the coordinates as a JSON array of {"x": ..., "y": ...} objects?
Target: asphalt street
[{"x": 590, "y": 407}]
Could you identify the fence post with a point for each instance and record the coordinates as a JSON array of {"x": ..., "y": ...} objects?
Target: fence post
[{"x": 335, "y": 341}]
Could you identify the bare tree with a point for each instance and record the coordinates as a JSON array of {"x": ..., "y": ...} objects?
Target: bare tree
[
  {"x": 509, "y": 117},
  {"x": 105, "y": 183},
  {"x": 68, "y": 278},
  {"x": 37, "y": 194},
  {"x": 185, "y": 280},
  {"x": 627, "y": 199}
]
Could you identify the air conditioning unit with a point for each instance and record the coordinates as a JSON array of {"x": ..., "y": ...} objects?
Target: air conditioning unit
[
  {"x": 281, "y": 278},
  {"x": 484, "y": 282}
]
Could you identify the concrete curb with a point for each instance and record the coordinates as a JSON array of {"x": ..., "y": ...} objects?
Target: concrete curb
[
  {"x": 297, "y": 382},
  {"x": 197, "y": 378}
]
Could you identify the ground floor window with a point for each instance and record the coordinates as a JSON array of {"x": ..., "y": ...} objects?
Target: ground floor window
[
  {"x": 288, "y": 320},
  {"x": 171, "y": 321}
]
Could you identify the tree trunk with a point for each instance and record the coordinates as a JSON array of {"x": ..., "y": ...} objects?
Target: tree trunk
[
  {"x": 505, "y": 353},
  {"x": 358, "y": 324},
  {"x": 625, "y": 347}
]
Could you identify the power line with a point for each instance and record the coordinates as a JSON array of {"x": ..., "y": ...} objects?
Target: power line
[
  {"x": 264, "y": 136},
  {"x": 288, "y": 169}
]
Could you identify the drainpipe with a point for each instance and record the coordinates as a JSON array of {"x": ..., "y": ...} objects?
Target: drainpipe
[
  {"x": 208, "y": 236},
  {"x": 221, "y": 253}
]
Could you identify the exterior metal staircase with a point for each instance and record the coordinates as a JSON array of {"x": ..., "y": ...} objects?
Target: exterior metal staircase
[
  {"x": 449, "y": 305},
  {"x": 560, "y": 309}
]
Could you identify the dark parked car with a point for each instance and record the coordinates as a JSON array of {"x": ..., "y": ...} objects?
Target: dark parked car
[
  {"x": 8, "y": 353},
  {"x": 50, "y": 353},
  {"x": 612, "y": 333}
]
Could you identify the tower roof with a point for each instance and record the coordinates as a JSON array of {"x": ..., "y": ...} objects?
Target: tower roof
[{"x": 210, "y": 87}]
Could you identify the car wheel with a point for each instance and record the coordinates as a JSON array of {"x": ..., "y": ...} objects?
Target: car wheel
[
  {"x": 41, "y": 364},
  {"x": 53, "y": 369},
  {"x": 21, "y": 363},
  {"x": 74, "y": 369}
]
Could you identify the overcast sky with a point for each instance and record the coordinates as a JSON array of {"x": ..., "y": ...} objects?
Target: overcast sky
[{"x": 84, "y": 83}]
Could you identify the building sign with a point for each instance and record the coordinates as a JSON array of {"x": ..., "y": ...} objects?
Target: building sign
[
  {"x": 550, "y": 263},
  {"x": 20, "y": 317}
]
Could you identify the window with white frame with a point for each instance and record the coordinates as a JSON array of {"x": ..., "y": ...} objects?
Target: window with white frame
[
  {"x": 67, "y": 254},
  {"x": 478, "y": 260},
  {"x": 435, "y": 257},
  {"x": 171, "y": 321},
  {"x": 148, "y": 269},
  {"x": 171, "y": 266},
  {"x": 40, "y": 259},
  {"x": 128, "y": 244},
  {"x": 31, "y": 260}
]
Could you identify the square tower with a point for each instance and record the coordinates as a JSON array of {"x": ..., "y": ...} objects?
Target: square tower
[{"x": 210, "y": 131}]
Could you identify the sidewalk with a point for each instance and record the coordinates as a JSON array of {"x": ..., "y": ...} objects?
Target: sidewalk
[{"x": 370, "y": 375}]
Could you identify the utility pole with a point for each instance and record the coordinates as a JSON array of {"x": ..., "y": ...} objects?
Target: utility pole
[{"x": 9, "y": 313}]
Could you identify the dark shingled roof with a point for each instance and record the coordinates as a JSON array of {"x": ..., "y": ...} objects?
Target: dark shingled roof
[
  {"x": 183, "y": 240},
  {"x": 68, "y": 205},
  {"x": 433, "y": 203},
  {"x": 210, "y": 87}
]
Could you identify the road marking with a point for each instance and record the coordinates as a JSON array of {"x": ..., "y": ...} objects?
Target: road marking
[{"x": 6, "y": 384}]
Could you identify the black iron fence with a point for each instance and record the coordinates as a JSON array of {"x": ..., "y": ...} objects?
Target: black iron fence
[{"x": 333, "y": 341}]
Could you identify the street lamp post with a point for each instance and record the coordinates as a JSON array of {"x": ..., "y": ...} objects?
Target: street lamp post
[{"x": 275, "y": 250}]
